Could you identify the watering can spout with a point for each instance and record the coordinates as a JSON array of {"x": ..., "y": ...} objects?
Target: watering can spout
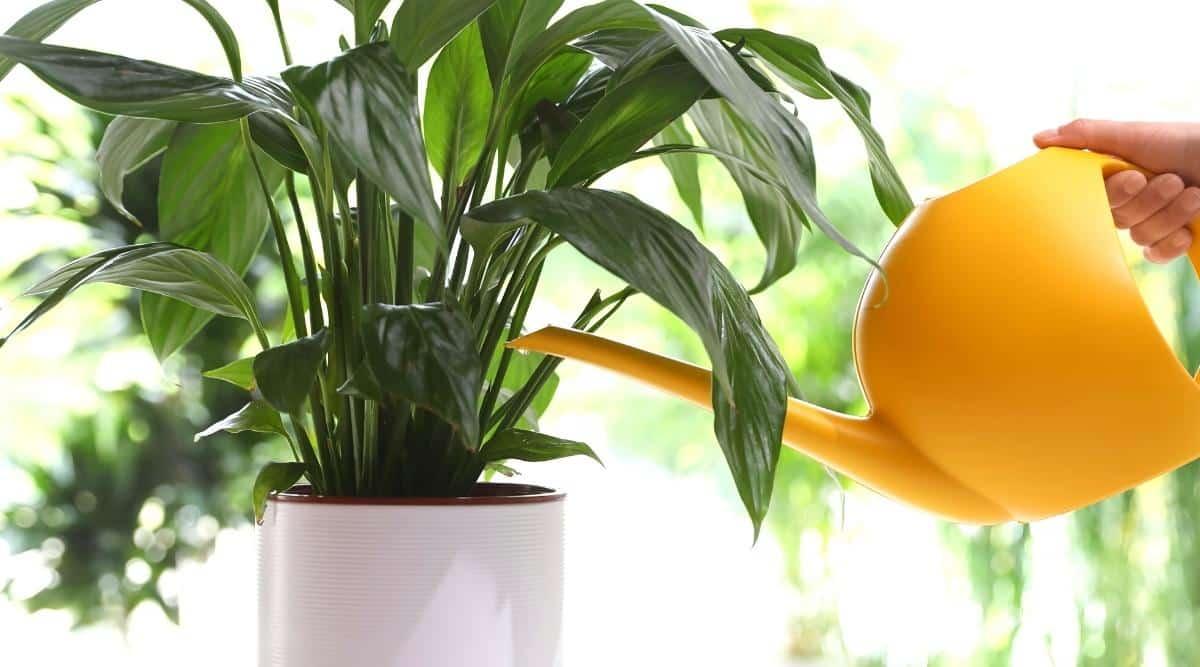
[{"x": 867, "y": 450}]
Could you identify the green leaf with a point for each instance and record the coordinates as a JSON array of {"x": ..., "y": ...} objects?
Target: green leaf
[
  {"x": 274, "y": 477},
  {"x": 778, "y": 223},
  {"x": 507, "y": 26},
  {"x": 532, "y": 446},
  {"x": 255, "y": 416},
  {"x": 684, "y": 168},
  {"x": 521, "y": 368},
  {"x": 658, "y": 256},
  {"x": 422, "y": 27},
  {"x": 285, "y": 374},
  {"x": 239, "y": 373},
  {"x": 209, "y": 199},
  {"x": 43, "y": 21},
  {"x": 458, "y": 105},
  {"x": 426, "y": 353},
  {"x": 366, "y": 13},
  {"x": 801, "y": 65},
  {"x": 190, "y": 276},
  {"x": 128, "y": 144},
  {"x": 624, "y": 120},
  {"x": 126, "y": 87},
  {"x": 368, "y": 102},
  {"x": 613, "y": 47},
  {"x": 786, "y": 136}
]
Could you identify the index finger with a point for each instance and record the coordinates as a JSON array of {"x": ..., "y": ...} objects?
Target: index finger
[{"x": 1123, "y": 186}]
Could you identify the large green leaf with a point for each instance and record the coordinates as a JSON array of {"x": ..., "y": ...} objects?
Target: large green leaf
[
  {"x": 209, "y": 199},
  {"x": 255, "y": 416},
  {"x": 613, "y": 46},
  {"x": 458, "y": 105},
  {"x": 368, "y": 101},
  {"x": 239, "y": 373},
  {"x": 777, "y": 221},
  {"x": 658, "y": 256},
  {"x": 422, "y": 27},
  {"x": 624, "y": 120},
  {"x": 787, "y": 137},
  {"x": 126, "y": 87},
  {"x": 285, "y": 374},
  {"x": 274, "y": 477},
  {"x": 128, "y": 144},
  {"x": 684, "y": 167},
  {"x": 43, "y": 21},
  {"x": 192, "y": 277},
  {"x": 507, "y": 26},
  {"x": 532, "y": 446},
  {"x": 426, "y": 353},
  {"x": 800, "y": 63}
]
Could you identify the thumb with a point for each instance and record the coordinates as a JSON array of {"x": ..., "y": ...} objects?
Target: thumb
[{"x": 1105, "y": 136}]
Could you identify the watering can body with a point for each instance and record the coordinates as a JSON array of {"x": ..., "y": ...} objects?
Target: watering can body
[{"x": 1012, "y": 367}]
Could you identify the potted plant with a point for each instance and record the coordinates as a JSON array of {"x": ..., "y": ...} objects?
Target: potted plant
[{"x": 411, "y": 227}]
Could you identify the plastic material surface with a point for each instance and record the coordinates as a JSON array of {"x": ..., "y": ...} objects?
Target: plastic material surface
[{"x": 1013, "y": 369}]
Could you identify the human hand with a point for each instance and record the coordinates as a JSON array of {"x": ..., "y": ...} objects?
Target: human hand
[{"x": 1157, "y": 211}]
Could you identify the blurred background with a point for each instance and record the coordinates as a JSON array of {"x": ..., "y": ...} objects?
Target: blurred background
[{"x": 122, "y": 542}]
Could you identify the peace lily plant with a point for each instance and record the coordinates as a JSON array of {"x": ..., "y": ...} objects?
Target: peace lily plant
[{"x": 434, "y": 208}]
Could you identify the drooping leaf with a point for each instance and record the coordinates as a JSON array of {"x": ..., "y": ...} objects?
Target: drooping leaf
[
  {"x": 180, "y": 273},
  {"x": 787, "y": 137},
  {"x": 285, "y": 374},
  {"x": 128, "y": 144},
  {"x": 255, "y": 416},
  {"x": 366, "y": 88},
  {"x": 209, "y": 199},
  {"x": 422, "y": 27},
  {"x": 778, "y": 223},
  {"x": 239, "y": 373},
  {"x": 274, "y": 477},
  {"x": 658, "y": 256},
  {"x": 801, "y": 64},
  {"x": 458, "y": 105},
  {"x": 624, "y": 120},
  {"x": 532, "y": 446},
  {"x": 426, "y": 353},
  {"x": 614, "y": 46},
  {"x": 507, "y": 26},
  {"x": 126, "y": 87},
  {"x": 684, "y": 168}
]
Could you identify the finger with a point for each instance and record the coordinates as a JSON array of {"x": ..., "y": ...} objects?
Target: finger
[
  {"x": 1123, "y": 186},
  {"x": 1177, "y": 214},
  {"x": 1175, "y": 245},
  {"x": 1106, "y": 136},
  {"x": 1159, "y": 192}
]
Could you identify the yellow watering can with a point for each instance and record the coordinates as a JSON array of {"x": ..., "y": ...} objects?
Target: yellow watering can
[{"x": 1013, "y": 370}]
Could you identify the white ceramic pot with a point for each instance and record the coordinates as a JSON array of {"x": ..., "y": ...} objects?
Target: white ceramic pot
[{"x": 412, "y": 582}]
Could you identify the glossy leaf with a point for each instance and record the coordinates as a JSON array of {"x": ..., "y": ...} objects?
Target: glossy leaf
[
  {"x": 624, "y": 120},
  {"x": 128, "y": 144},
  {"x": 126, "y": 87},
  {"x": 368, "y": 102},
  {"x": 507, "y": 26},
  {"x": 614, "y": 46},
  {"x": 422, "y": 27},
  {"x": 426, "y": 354},
  {"x": 180, "y": 273},
  {"x": 553, "y": 82},
  {"x": 255, "y": 416},
  {"x": 778, "y": 223},
  {"x": 801, "y": 64},
  {"x": 684, "y": 168},
  {"x": 532, "y": 446},
  {"x": 209, "y": 199},
  {"x": 659, "y": 257},
  {"x": 458, "y": 105},
  {"x": 787, "y": 137},
  {"x": 274, "y": 477},
  {"x": 285, "y": 374},
  {"x": 239, "y": 373}
]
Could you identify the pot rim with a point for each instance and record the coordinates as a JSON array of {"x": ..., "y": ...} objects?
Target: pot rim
[{"x": 486, "y": 493}]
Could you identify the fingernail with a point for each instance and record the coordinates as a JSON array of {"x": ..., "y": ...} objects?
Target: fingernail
[
  {"x": 1182, "y": 242},
  {"x": 1045, "y": 135}
]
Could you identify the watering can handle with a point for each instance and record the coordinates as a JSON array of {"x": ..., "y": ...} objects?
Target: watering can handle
[{"x": 1115, "y": 164}]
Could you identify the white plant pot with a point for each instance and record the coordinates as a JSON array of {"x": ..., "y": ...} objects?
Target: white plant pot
[{"x": 412, "y": 582}]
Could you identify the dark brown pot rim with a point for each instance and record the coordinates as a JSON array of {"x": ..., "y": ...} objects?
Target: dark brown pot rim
[{"x": 485, "y": 493}]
